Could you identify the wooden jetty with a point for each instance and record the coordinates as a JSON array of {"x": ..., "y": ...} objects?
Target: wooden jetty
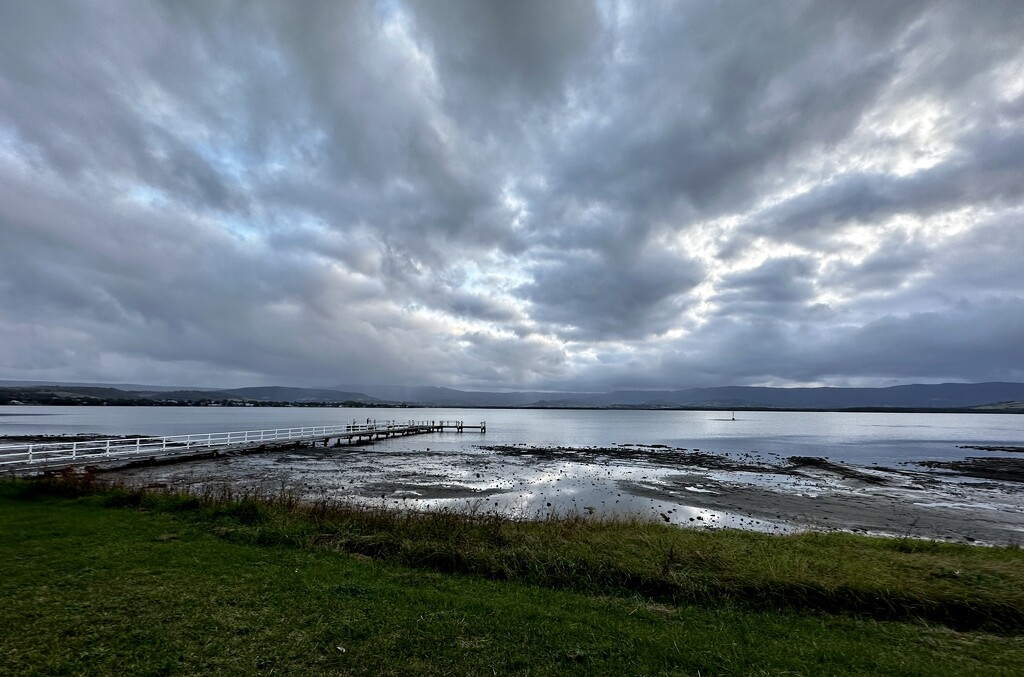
[{"x": 49, "y": 455}]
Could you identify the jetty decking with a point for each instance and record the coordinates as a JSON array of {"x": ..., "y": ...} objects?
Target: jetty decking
[{"x": 48, "y": 455}]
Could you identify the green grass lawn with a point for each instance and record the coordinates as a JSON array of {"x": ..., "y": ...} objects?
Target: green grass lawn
[{"x": 172, "y": 586}]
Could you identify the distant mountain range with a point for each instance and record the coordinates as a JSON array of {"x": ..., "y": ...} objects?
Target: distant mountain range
[
  {"x": 132, "y": 387},
  {"x": 272, "y": 394},
  {"x": 983, "y": 396},
  {"x": 448, "y": 397},
  {"x": 54, "y": 393},
  {"x": 918, "y": 396}
]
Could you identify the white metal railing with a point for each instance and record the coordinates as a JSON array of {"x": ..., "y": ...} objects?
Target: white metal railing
[{"x": 43, "y": 453}]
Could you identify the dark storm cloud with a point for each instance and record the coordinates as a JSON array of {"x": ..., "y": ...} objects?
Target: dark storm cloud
[
  {"x": 587, "y": 297},
  {"x": 984, "y": 260},
  {"x": 985, "y": 171},
  {"x": 520, "y": 53},
  {"x": 973, "y": 340},
  {"x": 508, "y": 359},
  {"x": 967, "y": 342},
  {"x": 526, "y": 194},
  {"x": 75, "y": 95},
  {"x": 897, "y": 259},
  {"x": 781, "y": 280},
  {"x": 670, "y": 131}
]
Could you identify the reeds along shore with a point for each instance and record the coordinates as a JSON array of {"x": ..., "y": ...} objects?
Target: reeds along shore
[
  {"x": 958, "y": 586},
  {"x": 101, "y": 579}
]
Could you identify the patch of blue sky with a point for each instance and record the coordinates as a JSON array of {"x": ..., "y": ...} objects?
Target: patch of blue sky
[
  {"x": 148, "y": 196},
  {"x": 229, "y": 162},
  {"x": 13, "y": 149},
  {"x": 8, "y": 139},
  {"x": 495, "y": 272},
  {"x": 245, "y": 228},
  {"x": 236, "y": 162},
  {"x": 387, "y": 10}
]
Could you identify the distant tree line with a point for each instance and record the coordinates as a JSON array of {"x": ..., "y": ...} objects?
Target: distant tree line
[{"x": 41, "y": 396}]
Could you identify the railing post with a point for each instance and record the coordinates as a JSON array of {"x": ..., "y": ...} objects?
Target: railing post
[{"x": 373, "y": 429}]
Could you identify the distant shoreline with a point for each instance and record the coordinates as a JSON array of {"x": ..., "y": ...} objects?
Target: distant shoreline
[
  {"x": 942, "y": 398},
  {"x": 986, "y": 409}
]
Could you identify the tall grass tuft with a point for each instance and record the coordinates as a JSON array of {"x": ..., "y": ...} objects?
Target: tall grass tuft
[{"x": 962, "y": 587}]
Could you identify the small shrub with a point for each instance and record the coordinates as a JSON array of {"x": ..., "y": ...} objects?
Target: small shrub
[
  {"x": 123, "y": 499},
  {"x": 247, "y": 512}
]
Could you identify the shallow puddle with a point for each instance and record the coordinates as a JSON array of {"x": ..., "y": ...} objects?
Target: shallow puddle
[{"x": 762, "y": 492}]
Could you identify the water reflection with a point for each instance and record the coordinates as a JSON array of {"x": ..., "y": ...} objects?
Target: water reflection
[{"x": 754, "y": 492}]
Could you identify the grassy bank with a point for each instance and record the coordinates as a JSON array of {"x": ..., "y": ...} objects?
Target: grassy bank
[{"x": 173, "y": 584}]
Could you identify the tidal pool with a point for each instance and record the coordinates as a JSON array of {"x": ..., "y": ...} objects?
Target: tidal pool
[{"x": 748, "y": 490}]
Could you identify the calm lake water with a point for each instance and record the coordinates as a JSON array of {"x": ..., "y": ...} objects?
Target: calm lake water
[
  {"x": 875, "y": 488},
  {"x": 853, "y": 437}
]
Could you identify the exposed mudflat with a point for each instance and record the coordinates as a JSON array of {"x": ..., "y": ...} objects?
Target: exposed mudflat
[
  {"x": 970, "y": 500},
  {"x": 989, "y": 468},
  {"x": 992, "y": 448}
]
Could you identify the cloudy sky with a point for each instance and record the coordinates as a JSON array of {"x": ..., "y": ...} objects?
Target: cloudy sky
[{"x": 494, "y": 195}]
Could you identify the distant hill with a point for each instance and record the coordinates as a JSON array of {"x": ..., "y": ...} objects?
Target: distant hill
[
  {"x": 130, "y": 387},
  {"x": 1014, "y": 407},
  {"x": 73, "y": 392},
  {"x": 285, "y": 394},
  {"x": 70, "y": 394},
  {"x": 448, "y": 397},
  {"x": 979, "y": 396},
  {"x": 918, "y": 396},
  {"x": 941, "y": 395}
]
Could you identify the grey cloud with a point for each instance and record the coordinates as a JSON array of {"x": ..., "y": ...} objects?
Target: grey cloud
[
  {"x": 778, "y": 280},
  {"x": 510, "y": 360},
  {"x": 975, "y": 341},
  {"x": 521, "y": 53},
  {"x": 986, "y": 172},
  {"x": 480, "y": 307},
  {"x": 672, "y": 132},
  {"x": 985, "y": 259},
  {"x": 978, "y": 341},
  {"x": 496, "y": 194},
  {"x": 585, "y": 296},
  {"x": 896, "y": 261},
  {"x": 78, "y": 99}
]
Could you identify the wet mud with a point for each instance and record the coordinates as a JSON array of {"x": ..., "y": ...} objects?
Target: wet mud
[
  {"x": 990, "y": 468},
  {"x": 974, "y": 500},
  {"x": 992, "y": 448}
]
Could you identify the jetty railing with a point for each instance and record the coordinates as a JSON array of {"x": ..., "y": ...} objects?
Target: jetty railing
[{"x": 46, "y": 453}]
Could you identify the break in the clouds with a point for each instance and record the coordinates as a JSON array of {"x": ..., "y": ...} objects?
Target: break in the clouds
[{"x": 543, "y": 195}]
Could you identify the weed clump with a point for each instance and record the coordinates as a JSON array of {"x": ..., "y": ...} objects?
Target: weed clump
[{"x": 961, "y": 587}]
